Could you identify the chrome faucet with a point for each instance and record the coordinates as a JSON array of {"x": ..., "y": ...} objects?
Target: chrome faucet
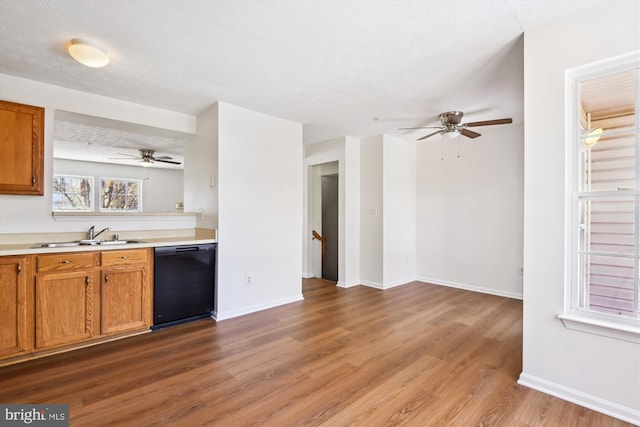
[{"x": 92, "y": 236}]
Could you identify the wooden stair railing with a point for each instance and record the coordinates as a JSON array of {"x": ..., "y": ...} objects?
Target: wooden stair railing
[{"x": 322, "y": 240}]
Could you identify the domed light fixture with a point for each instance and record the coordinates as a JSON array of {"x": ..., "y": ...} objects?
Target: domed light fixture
[
  {"x": 451, "y": 134},
  {"x": 87, "y": 54}
]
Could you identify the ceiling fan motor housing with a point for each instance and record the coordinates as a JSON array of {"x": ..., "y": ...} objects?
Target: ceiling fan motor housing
[{"x": 451, "y": 118}]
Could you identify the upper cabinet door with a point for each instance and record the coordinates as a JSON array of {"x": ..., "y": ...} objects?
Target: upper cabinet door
[{"x": 21, "y": 149}]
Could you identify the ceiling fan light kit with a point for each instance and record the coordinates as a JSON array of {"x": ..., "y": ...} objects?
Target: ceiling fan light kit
[
  {"x": 451, "y": 134},
  {"x": 451, "y": 128}
]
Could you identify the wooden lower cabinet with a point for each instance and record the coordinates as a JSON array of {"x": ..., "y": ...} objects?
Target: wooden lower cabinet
[
  {"x": 65, "y": 308},
  {"x": 124, "y": 299},
  {"x": 56, "y": 302},
  {"x": 65, "y": 298},
  {"x": 13, "y": 305}
]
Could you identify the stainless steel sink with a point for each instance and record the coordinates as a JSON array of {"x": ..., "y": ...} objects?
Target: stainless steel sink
[
  {"x": 86, "y": 242},
  {"x": 56, "y": 244},
  {"x": 118, "y": 242}
]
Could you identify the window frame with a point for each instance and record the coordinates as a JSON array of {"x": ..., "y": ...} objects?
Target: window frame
[
  {"x": 91, "y": 180},
  {"x": 574, "y": 316},
  {"x": 127, "y": 180}
]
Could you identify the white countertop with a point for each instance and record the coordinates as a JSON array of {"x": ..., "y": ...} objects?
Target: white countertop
[{"x": 199, "y": 237}]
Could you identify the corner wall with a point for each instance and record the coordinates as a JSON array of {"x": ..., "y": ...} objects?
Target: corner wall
[
  {"x": 201, "y": 170},
  {"x": 470, "y": 211},
  {"x": 399, "y": 204},
  {"x": 594, "y": 371},
  {"x": 260, "y": 211}
]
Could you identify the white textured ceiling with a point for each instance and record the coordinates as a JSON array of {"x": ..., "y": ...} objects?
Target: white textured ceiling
[{"x": 332, "y": 65}]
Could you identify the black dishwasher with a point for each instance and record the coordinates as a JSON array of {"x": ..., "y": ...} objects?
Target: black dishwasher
[{"x": 184, "y": 283}]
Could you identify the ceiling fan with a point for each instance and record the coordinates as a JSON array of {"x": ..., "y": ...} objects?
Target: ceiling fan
[
  {"x": 146, "y": 158},
  {"x": 452, "y": 128}
]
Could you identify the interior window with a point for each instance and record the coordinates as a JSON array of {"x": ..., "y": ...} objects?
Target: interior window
[
  {"x": 72, "y": 193},
  {"x": 123, "y": 195}
]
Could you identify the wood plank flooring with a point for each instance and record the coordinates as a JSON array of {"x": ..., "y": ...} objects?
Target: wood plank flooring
[{"x": 415, "y": 355}]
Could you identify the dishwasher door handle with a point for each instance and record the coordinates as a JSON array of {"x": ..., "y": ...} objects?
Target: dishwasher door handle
[{"x": 187, "y": 249}]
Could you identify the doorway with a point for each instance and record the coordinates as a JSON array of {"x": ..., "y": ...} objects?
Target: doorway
[
  {"x": 323, "y": 221},
  {"x": 330, "y": 226}
]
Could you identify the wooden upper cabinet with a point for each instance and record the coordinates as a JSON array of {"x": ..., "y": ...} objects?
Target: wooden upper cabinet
[{"x": 21, "y": 149}]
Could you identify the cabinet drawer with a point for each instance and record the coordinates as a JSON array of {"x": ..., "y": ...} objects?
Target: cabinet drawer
[
  {"x": 125, "y": 257},
  {"x": 66, "y": 262}
]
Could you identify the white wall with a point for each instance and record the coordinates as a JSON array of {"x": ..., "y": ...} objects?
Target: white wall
[
  {"x": 260, "y": 211},
  {"x": 201, "y": 170},
  {"x": 371, "y": 212},
  {"x": 351, "y": 173},
  {"x": 595, "y": 371},
  {"x": 161, "y": 188},
  {"x": 470, "y": 211},
  {"x": 399, "y": 206},
  {"x": 29, "y": 214},
  {"x": 346, "y": 151}
]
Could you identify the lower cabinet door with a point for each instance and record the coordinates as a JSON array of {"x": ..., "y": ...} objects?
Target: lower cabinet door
[
  {"x": 13, "y": 314},
  {"x": 65, "y": 307},
  {"x": 124, "y": 299}
]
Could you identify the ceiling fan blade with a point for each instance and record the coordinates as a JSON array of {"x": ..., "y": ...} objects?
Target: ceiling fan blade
[
  {"x": 469, "y": 133},
  {"x": 128, "y": 155},
  {"x": 489, "y": 122},
  {"x": 422, "y": 127},
  {"x": 431, "y": 134},
  {"x": 163, "y": 157},
  {"x": 167, "y": 161},
  {"x": 123, "y": 158}
]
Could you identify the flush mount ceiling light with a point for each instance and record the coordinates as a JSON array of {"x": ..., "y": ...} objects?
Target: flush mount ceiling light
[
  {"x": 145, "y": 163},
  {"x": 86, "y": 54}
]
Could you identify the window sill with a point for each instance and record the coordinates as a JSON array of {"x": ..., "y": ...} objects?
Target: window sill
[
  {"x": 601, "y": 327},
  {"x": 70, "y": 215}
]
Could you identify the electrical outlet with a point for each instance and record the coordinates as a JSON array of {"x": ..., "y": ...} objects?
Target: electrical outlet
[
  {"x": 521, "y": 271},
  {"x": 248, "y": 280}
]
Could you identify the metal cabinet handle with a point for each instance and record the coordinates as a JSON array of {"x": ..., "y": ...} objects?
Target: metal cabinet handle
[
  {"x": 106, "y": 278},
  {"x": 87, "y": 281},
  {"x": 64, "y": 262},
  {"x": 124, "y": 257},
  {"x": 33, "y": 180},
  {"x": 19, "y": 268}
]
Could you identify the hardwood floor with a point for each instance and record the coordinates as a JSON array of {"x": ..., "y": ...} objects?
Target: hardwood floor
[{"x": 415, "y": 355}]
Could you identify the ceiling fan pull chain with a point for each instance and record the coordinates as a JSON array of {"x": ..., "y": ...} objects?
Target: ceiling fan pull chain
[
  {"x": 442, "y": 148},
  {"x": 459, "y": 148}
]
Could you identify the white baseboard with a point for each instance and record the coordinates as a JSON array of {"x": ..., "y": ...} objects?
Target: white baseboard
[
  {"x": 371, "y": 284},
  {"x": 399, "y": 283},
  {"x": 307, "y": 275},
  {"x": 383, "y": 286},
  {"x": 578, "y": 397},
  {"x": 252, "y": 309},
  {"x": 491, "y": 291},
  {"x": 347, "y": 284}
]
